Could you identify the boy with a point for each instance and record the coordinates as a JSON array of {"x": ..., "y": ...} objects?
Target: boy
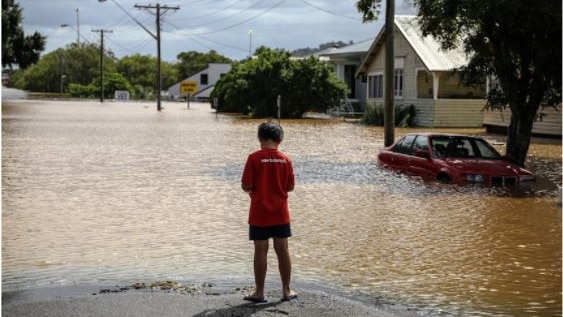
[{"x": 267, "y": 178}]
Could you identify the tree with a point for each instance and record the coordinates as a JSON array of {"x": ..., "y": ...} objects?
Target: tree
[
  {"x": 140, "y": 71},
  {"x": 17, "y": 48},
  {"x": 192, "y": 62},
  {"x": 79, "y": 65},
  {"x": 517, "y": 42},
  {"x": 112, "y": 81},
  {"x": 253, "y": 86}
]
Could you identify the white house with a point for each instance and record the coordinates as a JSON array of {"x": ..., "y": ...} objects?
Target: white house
[
  {"x": 346, "y": 60},
  {"x": 425, "y": 76},
  {"x": 205, "y": 81}
]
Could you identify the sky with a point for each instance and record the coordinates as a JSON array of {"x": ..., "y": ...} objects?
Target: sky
[{"x": 232, "y": 28}]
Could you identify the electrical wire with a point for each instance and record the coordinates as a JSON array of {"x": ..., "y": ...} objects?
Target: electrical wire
[
  {"x": 226, "y": 17},
  {"x": 329, "y": 12},
  {"x": 193, "y": 37},
  {"x": 243, "y": 21},
  {"x": 210, "y": 13}
]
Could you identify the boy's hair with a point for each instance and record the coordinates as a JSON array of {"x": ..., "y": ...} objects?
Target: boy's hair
[{"x": 270, "y": 131}]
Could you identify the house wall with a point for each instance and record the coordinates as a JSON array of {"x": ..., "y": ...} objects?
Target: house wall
[
  {"x": 450, "y": 87},
  {"x": 447, "y": 113},
  {"x": 457, "y": 105},
  {"x": 213, "y": 71},
  {"x": 412, "y": 62},
  {"x": 459, "y": 113},
  {"x": 550, "y": 123},
  {"x": 424, "y": 111}
]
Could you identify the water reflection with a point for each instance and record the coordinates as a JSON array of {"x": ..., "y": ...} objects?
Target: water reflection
[{"x": 119, "y": 191}]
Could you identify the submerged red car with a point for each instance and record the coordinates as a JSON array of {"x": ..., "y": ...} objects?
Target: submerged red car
[{"x": 452, "y": 158}]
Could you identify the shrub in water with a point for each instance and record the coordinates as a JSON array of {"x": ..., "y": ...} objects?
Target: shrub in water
[{"x": 404, "y": 115}]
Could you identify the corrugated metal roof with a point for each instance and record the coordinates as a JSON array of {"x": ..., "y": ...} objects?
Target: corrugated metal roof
[
  {"x": 428, "y": 49},
  {"x": 356, "y": 48}
]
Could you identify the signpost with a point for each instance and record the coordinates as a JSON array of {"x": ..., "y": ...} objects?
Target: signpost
[{"x": 188, "y": 87}]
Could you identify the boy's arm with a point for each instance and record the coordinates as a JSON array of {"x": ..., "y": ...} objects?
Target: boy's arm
[
  {"x": 246, "y": 188},
  {"x": 290, "y": 187}
]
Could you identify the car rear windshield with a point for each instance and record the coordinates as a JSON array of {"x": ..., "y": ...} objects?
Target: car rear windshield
[{"x": 463, "y": 147}]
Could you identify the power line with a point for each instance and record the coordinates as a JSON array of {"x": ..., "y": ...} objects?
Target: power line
[
  {"x": 210, "y": 13},
  {"x": 156, "y": 36},
  {"x": 193, "y": 37},
  {"x": 225, "y": 17},
  {"x": 244, "y": 21},
  {"x": 329, "y": 12}
]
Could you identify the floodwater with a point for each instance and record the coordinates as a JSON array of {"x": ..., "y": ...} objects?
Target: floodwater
[{"x": 118, "y": 191}]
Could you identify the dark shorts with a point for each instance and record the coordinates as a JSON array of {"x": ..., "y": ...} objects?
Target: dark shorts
[{"x": 265, "y": 233}]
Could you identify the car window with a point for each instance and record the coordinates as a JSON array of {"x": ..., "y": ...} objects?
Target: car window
[
  {"x": 462, "y": 147},
  {"x": 405, "y": 145},
  {"x": 421, "y": 143},
  {"x": 439, "y": 146},
  {"x": 486, "y": 150}
]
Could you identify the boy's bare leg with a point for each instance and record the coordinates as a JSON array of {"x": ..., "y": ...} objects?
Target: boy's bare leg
[
  {"x": 284, "y": 262},
  {"x": 260, "y": 266}
]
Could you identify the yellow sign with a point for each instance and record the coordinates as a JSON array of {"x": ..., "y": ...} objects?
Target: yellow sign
[{"x": 188, "y": 87}]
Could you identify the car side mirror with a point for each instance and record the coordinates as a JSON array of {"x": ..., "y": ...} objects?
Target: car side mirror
[{"x": 422, "y": 153}]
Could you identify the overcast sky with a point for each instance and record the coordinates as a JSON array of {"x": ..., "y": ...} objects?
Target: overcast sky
[{"x": 201, "y": 25}]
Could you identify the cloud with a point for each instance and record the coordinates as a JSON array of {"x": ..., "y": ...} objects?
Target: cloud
[{"x": 200, "y": 25}]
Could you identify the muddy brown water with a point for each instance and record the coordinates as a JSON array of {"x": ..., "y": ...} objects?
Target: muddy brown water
[{"x": 118, "y": 191}]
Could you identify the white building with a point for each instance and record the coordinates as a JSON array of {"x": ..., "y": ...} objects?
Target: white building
[{"x": 205, "y": 80}]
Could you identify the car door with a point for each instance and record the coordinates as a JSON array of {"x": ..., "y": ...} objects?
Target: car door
[
  {"x": 418, "y": 165},
  {"x": 402, "y": 152}
]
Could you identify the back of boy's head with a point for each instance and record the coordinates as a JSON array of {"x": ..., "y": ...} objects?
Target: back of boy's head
[{"x": 270, "y": 131}]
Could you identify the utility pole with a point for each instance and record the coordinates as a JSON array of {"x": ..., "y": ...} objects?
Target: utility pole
[
  {"x": 101, "y": 31},
  {"x": 389, "y": 108},
  {"x": 158, "y": 14},
  {"x": 61, "y": 72},
  {"x": 77, "y": 27}
]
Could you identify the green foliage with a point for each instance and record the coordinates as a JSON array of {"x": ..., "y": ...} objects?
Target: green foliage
[
  {"x": 192, "y": 62},
  {"x": 18, "y": 48},
  {"x": 140, "y": 71},
  {"x": 370, "y": 9},
  {"x": 79, "y": 65},
  {"x": 112, "y": 81},
  {"x": 252, "y": 87},
  {"x": 404, "y": 115},
  {"x": 82, "y": 91}
]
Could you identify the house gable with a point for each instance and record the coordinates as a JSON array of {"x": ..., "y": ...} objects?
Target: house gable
[
  {"x": 427, "y": 50},
  {"x": 205, "y": 80}
]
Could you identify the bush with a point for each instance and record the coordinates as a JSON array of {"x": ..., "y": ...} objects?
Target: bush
[
  {"x": 404, "y": 115},
  {"x": 253, "y": 86}
]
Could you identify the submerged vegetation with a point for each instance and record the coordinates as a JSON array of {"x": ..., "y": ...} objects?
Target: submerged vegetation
[{"x": 404, "y": 115}]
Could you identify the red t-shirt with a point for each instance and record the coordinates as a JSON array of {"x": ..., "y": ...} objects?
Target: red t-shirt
[{"x": 269, "y": 173}]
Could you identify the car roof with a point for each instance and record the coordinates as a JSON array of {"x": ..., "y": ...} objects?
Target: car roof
[{"x": 432, "y": 134}]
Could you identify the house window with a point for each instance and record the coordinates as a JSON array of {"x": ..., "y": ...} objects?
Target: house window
[
  {"x": 398, "y": 82},
  {"x": 375, "y": 83},
  {"x": 203, "y": 79}
]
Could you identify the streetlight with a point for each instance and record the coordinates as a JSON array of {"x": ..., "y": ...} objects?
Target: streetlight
[
  {"x": 250, "y": 45},
  {"x": 73, "y": 28}
]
